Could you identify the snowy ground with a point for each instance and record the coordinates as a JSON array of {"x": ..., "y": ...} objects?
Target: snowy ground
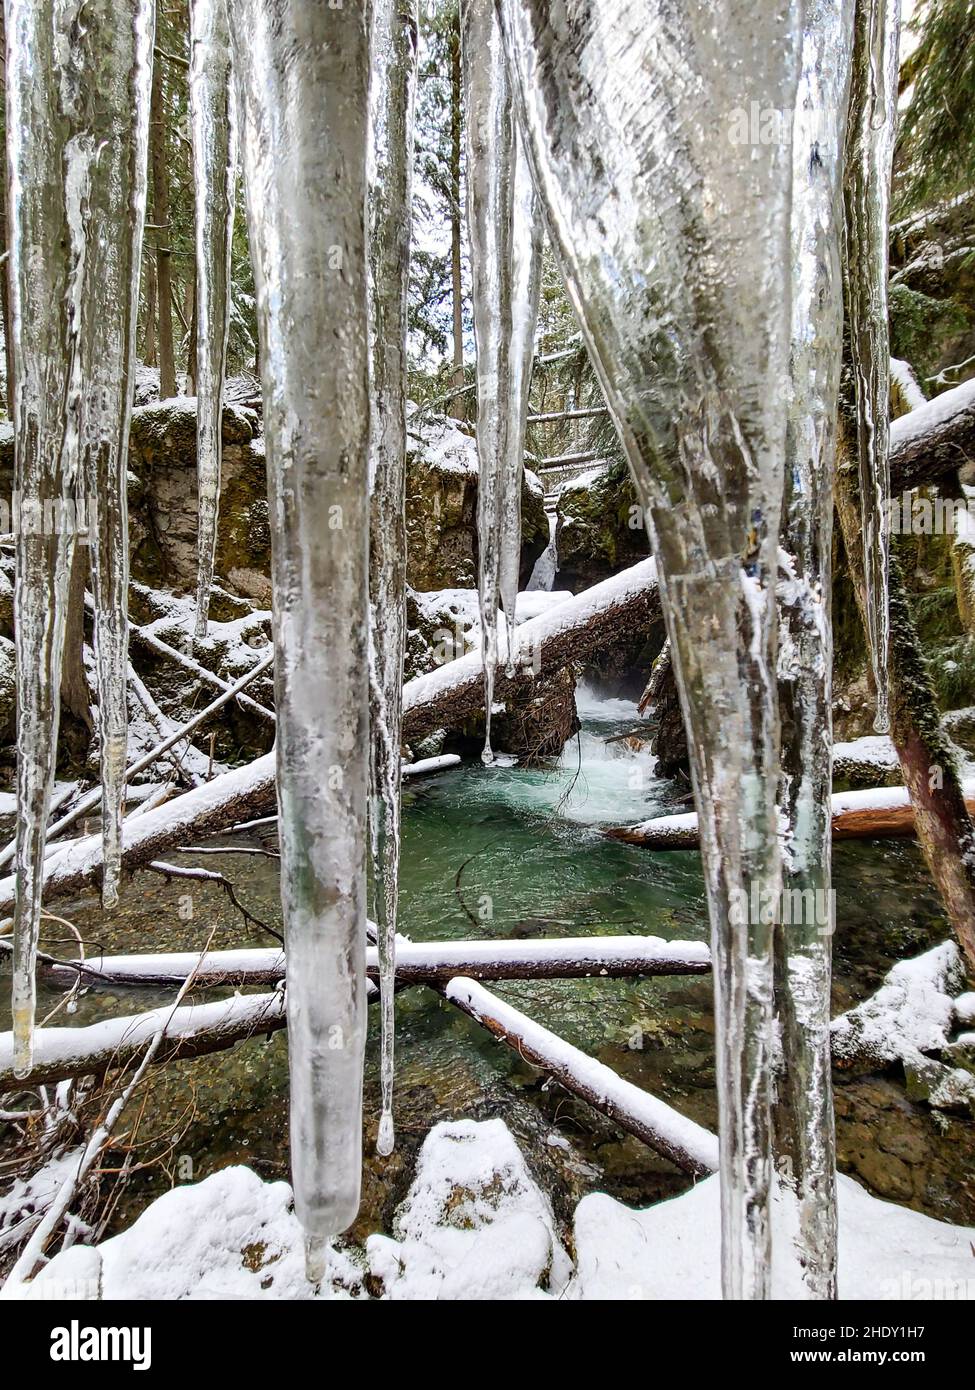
[{"x": 475, "y": 1225}]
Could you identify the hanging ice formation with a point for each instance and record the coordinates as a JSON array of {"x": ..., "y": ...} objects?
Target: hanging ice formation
[
  {"x": 870, "y": 151},
  {"x": 804, "y": 1235},
  {"x": 393, "y": 76},
  {"x": 671, "y": 219},
  {"x": 302, "y": 74},
  {"x": 78, "y": 96},
  {"x": 526, "y": 283},
  {"x": 490, "y": 208},
  {"x": 214, "y": 178}
]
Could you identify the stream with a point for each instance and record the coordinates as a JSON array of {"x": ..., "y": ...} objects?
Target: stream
[{"x": 515, "y": 852}]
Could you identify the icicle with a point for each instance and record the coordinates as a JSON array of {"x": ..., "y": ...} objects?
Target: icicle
[
  {"x": 214, "y": 179},
  {"x": 394, "y": 41},
  {"x": 302, "y": 86},
  {"x": 77, "y": 131},
  {"x": 870, "y": 151},
  {"x": 490, "y": 204},
  {"x": 526, "y": 283},
  {"x": 119, "y": 75},
  {"x": 804, "y": 1234},
  {"x": 670, "y": 216}
]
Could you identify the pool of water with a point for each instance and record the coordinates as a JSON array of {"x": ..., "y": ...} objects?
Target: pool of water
[{"x": 519, "y": 853}]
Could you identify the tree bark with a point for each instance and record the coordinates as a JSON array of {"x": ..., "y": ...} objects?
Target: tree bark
[
  {"x": 75, "y": 694},
  {"x": 149, "y": 345},
  {"x": 160, "y": 212},
  {"x": 417, "y": 963},
  {"x": 944, "y": 826}
]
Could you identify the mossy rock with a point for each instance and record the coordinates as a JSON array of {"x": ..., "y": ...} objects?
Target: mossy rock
[{"x": 600, "y": 527}]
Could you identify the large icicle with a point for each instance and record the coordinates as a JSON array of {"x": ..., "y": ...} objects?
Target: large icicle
[
  {"x": 393, "y": 88},
  {"x": 214, "y": 178},
  {"x": 804, "y": 1236},
  {"x": 302, "y": 84},
  {"x": 120, "y": 46},
  {"x": 869, "y": 155},
  {"x": 490, "y": 131},
  {"x": 526, "y": 283},
  {"x": 671, "y": 216},
  {"x": 77, "y": 130}
]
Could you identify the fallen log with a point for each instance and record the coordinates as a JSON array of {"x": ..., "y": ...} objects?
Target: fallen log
[
  {"x": 191, "y": 1031},
  {"x": 663, "y": 1129},
  {"x": 879, "y": 813},
  {"x": 417, "y": 963},
  {"x": 934, "y": 440},
  {"x": 589, "y": 623}
]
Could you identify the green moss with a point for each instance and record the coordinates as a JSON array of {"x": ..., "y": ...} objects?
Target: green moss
[{"x": 919, "y": 326}]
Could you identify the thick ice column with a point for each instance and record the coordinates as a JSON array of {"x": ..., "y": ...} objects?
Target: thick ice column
[
  {"x": 671, "y": 217},
  {"x": 490, "y": 205},
  {"x": 393, "y": 89},
  {"x": 804, "y": 1236},
  {"x": 77, "y": 123},
  {"x": 526, "y": 283},
  {"x": 302, "y": 76},
  {"x": 869, "y": 156},
  {"x": 214, "y": 182}
]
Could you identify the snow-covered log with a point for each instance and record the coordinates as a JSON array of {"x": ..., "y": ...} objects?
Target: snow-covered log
[
  {"x": 662, "y": 1128},
  {"x": 587, "y": 624},
  {"x": 933, "y": 440},
  {"x": 191, "y": 1031},
  {"x": 417, "y": 962},
  {"x": 194, "y": 1030},
  {"x": 879, "y": 813}
]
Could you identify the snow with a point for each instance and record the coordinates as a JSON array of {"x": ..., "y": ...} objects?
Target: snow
[
  {"x": 911, "y": 1014},
  {"x": 476, "y": 1226},
  {"x": 55, "y": 1047},
  {"x": 871, "y": 798},
  {"x": 670, "y": 1251},
  {"x": 908, "y": 429},
  {"x": 903, "y": 374},
  {"x": 23, "y": 1204},
  {"x": 875, "y": 749}
]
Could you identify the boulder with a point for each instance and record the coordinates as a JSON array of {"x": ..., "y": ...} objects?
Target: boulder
[{"x": 600, "y": 527}]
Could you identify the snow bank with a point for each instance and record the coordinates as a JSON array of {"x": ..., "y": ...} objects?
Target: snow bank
[
  {"x": 672, "y": 1250},
  {"x": 475, "y": 1225}
]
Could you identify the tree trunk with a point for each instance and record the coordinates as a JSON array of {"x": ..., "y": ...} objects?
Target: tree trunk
[
  {"x": 160, "y": 202},
  {"x": 75, "y": 695},
  {"x": 944, "y": 826},
  {"x": 191, "y": 336},
  {"x": 458, "y": 407},
  {"x": 149, "y": 348}
]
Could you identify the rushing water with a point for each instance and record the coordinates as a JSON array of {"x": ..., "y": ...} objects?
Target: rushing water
[{"x": 512, "y": 852}]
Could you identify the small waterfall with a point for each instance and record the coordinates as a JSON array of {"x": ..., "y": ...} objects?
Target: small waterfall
[{"x": 547, "y": 564}]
